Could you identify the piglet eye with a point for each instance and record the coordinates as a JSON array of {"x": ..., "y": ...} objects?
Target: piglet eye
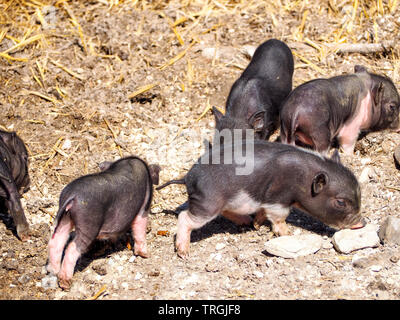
[{"x": 340, "y": 203}]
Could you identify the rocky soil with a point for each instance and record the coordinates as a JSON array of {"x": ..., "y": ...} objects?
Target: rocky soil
[{"x": 85, "y": 82}]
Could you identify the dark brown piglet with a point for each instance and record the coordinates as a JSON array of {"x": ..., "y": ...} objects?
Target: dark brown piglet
[
  {"x": 14, "y": 178},
  {"x": 321, "y": 112},
  {"x": 102, "y": 205},
  {"x": 255, "y": 98},
  {"x": 282, "y": 176}
]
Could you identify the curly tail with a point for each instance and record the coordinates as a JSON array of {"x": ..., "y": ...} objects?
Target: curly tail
[{"x": 179, "y": 181}]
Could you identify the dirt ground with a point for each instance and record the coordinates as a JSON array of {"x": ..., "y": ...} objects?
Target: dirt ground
[{"x": 88, "y": 81}]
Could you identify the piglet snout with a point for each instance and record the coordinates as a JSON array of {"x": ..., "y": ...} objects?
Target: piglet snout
[{"x": 359, "y": 225}]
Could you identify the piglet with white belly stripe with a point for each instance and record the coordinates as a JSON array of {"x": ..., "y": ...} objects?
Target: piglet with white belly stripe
[
  {"x": 322, "y": 111},
  {"x": 281, "y": 176},
  {"x": 102, "y": 205}
]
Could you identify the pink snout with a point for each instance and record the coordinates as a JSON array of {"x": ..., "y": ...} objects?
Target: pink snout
[{"x": 359, "y": 225}]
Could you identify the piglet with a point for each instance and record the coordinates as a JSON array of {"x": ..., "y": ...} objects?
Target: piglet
[
  {"x": 102, "y": 205},
  {"x": 282, "y": 176},
  {"x": 14, "y": 178},
  {"x": 255, "y": 98},
  {"x": 322, "y": 112}
]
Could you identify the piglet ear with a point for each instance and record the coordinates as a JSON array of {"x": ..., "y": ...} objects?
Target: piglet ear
[
  {"x": 335, "y": 156},
  {"x": 358, "y": 68},
  {"x": 318, "y": 184},
  {"x": 257, "y": 121},
  {"x": 154, "y": 173},
  {"x": 377, "y": 93},
  {"x": 217, "y": 114},
  {"x": 104, "y": 165},
  {"x": 10, "y": 139}
]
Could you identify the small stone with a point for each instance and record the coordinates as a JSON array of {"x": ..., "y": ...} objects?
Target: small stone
[
  {"x": 366, "y": 174},
  {"x": 49, "y": 282},
  {"x": 138, "y": 276},
  {"x": 375, "y": 268},
  {"x": 396, "y": 156},
  {"x": 390, "y": 230},
  {"x": 24, "y": 279},
  {"x": 100, "y": 269},
  {"x": 66, "y": 145},
  {"x": 220, "y": 246},
  {"x": 348, "y": 240},
  {"x": 294, "y": 246},
  {"x": 259, "y": 274}
]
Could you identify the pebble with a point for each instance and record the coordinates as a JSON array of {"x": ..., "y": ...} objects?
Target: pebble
[
  {"x": 138, "y": 276},
  {"x": 49, "y": 282},
  {"x": 375, "y": 268},
  {"x": 348, "y": 240},
  {"x": 294, "y": 246},
  {"x": 389, "y": 231},
  {"x": 366, "y": 174},
  {"x": 396, "y": 155},
  {"x": 220, "y": 246}
]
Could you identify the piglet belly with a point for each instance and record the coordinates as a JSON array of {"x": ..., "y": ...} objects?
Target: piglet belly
[{"x": 349, "y": 132}]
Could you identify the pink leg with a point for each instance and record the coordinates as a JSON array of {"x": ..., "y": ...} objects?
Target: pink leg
[
  {"x": 72, "y": 255},
  {"x": 186, "y": 223},
  {"x": 57, "y": 244},
  {"x": 139, "y": 226}
]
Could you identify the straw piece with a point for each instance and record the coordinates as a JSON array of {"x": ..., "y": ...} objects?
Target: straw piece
[
  {"x": 362, "y": 47},
  {"x": 177, "y": 57},
  {"x": 42, "y": 96},
  {"x": 67, "y": 70},
  {"x": 35, "y": 121},
  {"x": 114, "y": 136},
  {"x": 23, "y": 43},
  {"x": 75, "y": 22},
  {"x": 173, "y": 27},
  {"x": 312, "y": 65},
  {"x": 179, "y": 21},
  {"x": 54, "y": 153},
  {"x": 8, "y": 57},
  {"x": 208, "y": 107},
  {"x": 40, "y": 68},
  {"x": 142, "y": 90},
  {"x": 98, "y": 294}
]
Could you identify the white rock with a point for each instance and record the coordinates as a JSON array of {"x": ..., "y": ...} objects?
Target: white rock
[
  {"x": 49, "y": 282},
  {"x": 366, "y": 174},
  {"x": 248, "y": 50},
  {"x": 138, "y": 276},
  {"x": 294, "y": 246},
  {"x": 376, "y": 268},
  {"x": 348, "y": 240},
  {"x": 389, "y": 231},
  {"x": 220, "y": 246},
  {"x": 66, "y": 145}
]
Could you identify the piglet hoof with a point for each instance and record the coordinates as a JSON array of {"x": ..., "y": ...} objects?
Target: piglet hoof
[
  {"x": 64, "y": 284},
  {"x": 140, "y": 249},
  {"x": 142, "y": 253},
  {"x": 280, "y": 229},
  {"x": 24, "y": 235},
  {"x": 183, "y": 254}
]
